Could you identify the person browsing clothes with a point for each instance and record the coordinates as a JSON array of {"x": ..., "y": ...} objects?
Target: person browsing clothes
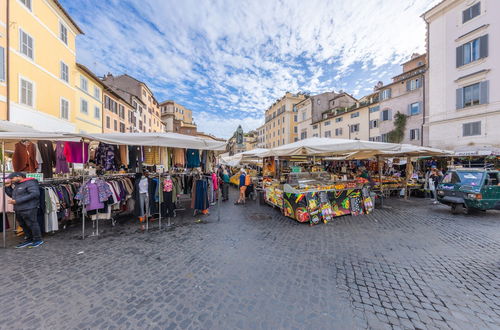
[{"x": 25, "y": 194}]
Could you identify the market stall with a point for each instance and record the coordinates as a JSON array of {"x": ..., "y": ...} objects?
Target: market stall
[{"x": 42, "y": 156}]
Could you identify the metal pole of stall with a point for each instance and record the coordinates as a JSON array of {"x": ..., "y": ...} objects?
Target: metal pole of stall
[
  {"x": 380, "y": 182},
  {"x": 218, "y": 200},
  {"x": 83, "y": 182},
  {"x": 159, "y": 189},
  {"x": 4, "y": 217}
]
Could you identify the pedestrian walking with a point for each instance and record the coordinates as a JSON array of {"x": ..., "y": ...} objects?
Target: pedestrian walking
[
  {"x": 225, "y": 185},
  {"x": 25, "y": 194},
  {"x": 242, "y": 186}
]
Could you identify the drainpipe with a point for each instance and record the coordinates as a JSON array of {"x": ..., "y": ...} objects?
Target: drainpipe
[
  {"x": 7, "y": 61},
  {"x": 424, "y": 86}
]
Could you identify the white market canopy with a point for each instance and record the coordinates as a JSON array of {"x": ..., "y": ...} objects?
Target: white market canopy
[
  {"x": 327, "y": 146},
  {"x": 351, "y": 149},
  {"x": 250, "y": 156},
  {"x": 172, "y": 140},
  {"x": 8, "y": 126}
]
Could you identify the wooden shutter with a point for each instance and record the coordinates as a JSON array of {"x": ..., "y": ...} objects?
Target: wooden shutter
[
  {"x": 420, "y": 107},
  {"x": 408, "y": 85},
  {"x": 460, "y": 56},
  {"x": 483, "y": 92},
  {"x": 465, "y": 129},
  {"x": 460, "y": 98},
  {"x": 483, "y": 46},
  {"x": 409, "y": 110},
  {"x": 390, "y": 114},
  {"x": 475, "y": 10}
]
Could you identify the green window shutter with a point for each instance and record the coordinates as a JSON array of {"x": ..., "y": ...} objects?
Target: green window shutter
[{"x": 460, "y": 56}]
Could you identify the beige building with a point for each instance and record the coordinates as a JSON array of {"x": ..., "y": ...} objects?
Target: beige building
[
  {"x": 261, "y": 136},
  {"x": 310, "y": 110},
  {"x": 119, "y": 115},
  {"x": 281, "y": 120},
  {"x": 405, "y": 95},
  {"x": 463, "y": 43},
  {"x": 177, "y": 118},
  {"x": 342, "y": 120},
  {"x": 137, "y": 93},
  {"x": 88, "y": 117}
]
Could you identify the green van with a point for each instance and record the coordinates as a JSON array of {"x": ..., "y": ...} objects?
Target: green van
[{"x": 470, "y": 189}]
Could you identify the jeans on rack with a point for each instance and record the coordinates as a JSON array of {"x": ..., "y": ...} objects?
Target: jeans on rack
[
  {"x": 28, "y": 221},
  {"x": 144, "y": 204}
]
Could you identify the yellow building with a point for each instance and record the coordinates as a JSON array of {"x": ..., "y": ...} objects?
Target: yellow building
[
  {"x": 42, "y": 65},
  {"x": 281, "y": 120},
  {"x": 88, "y": 113}
]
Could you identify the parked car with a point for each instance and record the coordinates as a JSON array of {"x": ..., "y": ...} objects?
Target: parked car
[{"x": 470, "y": 189}]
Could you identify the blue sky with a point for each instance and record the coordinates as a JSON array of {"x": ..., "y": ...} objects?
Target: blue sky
[{"x": 229, "y": 60}]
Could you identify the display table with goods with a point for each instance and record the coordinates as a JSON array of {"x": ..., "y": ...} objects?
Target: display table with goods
[{"x": 315, "y": 197}]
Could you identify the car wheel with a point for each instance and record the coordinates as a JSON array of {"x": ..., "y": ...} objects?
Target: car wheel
[{"x": 457, "y": 208}]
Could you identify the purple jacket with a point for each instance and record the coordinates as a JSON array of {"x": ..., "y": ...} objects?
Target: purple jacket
[{"x": 103, "y": 189}]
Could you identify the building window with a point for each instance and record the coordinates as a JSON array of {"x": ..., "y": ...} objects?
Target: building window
[
  {"x": 414, "y": 108},
  {"x": 295, "y": 129},
  {"x": 413, "y": 84},
  {"x": 283, "y": 130},
  {"x": 2, "y": 64},
  {"x": 385, "y": 94},
  {"x": 473, "y": 95},
  {"x": 384, "y": 137},
  {"x": 375, "y": 108},
  {"x": 26, "y": 92},
  {"x": 84, "y": 84},
  {"x": 338, "y": 131},
  {"x": 386, "y": 115},
  {"x": 97, "y": 93},
  {"x": 472, "y": 129},
  {"x": 328, "y": 134},
  {"x": 64, "y": 109},
  {"x": 319, "y": 101},
  {"x": 26, "y": 44},
  {"x": 108, "y": 122},
  {"x": 338, "y": 120},
  {"x": 121, "y": 111},
  {"x": 315, "y": 126},
  {"x": 295, "y": 119},
  {"x": 295, "y": 139},
  {"x": 122, "y": 127},
  {"x": 97, "y": 112},
  {"x": 327, "y": 123},
  {"x": 27, "y": 3},
  {"x": 84, "y": 106},
  {"x": 354, "y": 128},
  {"x": 374, "y": 123},
  {"x": 115, "y": 125},
  {"x": 64, "y": 72},
  {"x": 303, "y": 135},
  {"x": 472, "y": 51},
  {"x": 63, "y": 33},
  {"x": 354, "y": 115},
  {"x": 415, "y": 134},
  {"x": 471, "y": 12},
  {"x": 303, "y": 115}
]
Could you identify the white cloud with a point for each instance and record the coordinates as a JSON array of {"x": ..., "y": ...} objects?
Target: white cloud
[{"x": 241, "y": 56}]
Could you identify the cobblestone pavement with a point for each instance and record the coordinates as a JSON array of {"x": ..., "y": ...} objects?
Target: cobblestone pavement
[{"x": 409, "y": 265}]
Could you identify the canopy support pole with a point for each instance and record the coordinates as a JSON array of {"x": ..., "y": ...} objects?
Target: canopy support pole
[
  {"x": 83, "y": 182},
  {"x": 159, "y": 188},
  {"x": 380, "y": 182},
  {"x": 408, "y": 176},
  {"x": 4, "y": 217}
]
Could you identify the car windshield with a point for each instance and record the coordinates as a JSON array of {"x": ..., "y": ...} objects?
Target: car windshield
[{"x": 471, "y": 178}]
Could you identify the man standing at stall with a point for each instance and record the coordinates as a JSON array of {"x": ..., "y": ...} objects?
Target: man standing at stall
[
  {"x": 242, "y": 186},
  {"x": 25, "y": 194}
]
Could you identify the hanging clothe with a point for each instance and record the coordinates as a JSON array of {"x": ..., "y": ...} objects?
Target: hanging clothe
[
  {"x": 179, "y": 156},
  {"x": 135, "y": 158},
  {"x": 151, "y": 155},
  {"x": 48, "y": 156},
  {"x": 76, "y": 152},
  {"x": 123, "y": 155},
  {"x": 24, "y": 158},
  {"x": 192, "y": 158},
  {"x": 61, "y": 162},
  {"x": 105, "y": 157}
]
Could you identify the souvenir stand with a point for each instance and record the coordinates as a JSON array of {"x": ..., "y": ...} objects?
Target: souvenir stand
[{"x": 128, "y": 139}]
